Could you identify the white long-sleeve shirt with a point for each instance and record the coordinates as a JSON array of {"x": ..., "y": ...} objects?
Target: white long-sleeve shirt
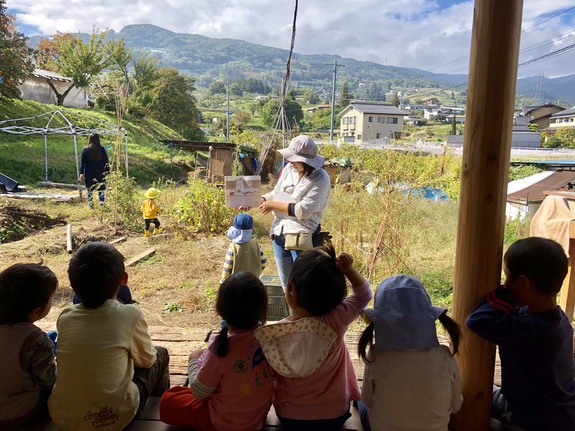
[{"x": 310, "y": 195}]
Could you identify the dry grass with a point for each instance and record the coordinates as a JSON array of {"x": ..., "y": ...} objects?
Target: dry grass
[{"x": 183, "y": 274}]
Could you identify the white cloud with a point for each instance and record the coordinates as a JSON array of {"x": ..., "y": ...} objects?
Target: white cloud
[{"x": 413, "y": 33}]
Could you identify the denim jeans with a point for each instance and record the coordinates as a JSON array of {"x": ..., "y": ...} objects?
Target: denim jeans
[
  {"x": 101, "y": 196},
  {"x": 284, "y": 258},
  {"x": 362, "y": 409}
]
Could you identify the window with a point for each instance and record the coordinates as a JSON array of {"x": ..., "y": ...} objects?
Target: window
[
  {"x": 378, "y": 136},
  {"x": 379, "y": 119},
  {"x": 391, "y": 120},
  {"x": 359, "y": 136},
  {"x": 345, "y": 120},
  {"x": 370, "y": 119}
]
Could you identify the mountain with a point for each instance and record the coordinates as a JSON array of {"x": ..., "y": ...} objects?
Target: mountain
[{"x": 209, "y": 59}]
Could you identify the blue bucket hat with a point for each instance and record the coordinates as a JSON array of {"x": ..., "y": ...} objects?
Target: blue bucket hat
[
  {"x": 403, "y": 316},
  {"x": 241, "y": 231}
]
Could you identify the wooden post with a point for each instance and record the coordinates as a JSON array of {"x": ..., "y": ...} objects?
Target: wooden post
[
  {"x": 486, "y": 152},
  {"x": 69, "y": 245},
  {"x": 567, "y": 300}
]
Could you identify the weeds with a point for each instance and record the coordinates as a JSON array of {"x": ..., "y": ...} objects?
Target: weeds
[{"x": 203, "y": 209}]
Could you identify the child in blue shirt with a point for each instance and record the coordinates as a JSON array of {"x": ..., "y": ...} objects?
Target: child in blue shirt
[{"x": 534, "y": 336}]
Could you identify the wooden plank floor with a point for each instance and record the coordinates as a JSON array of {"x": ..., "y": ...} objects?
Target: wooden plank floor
[{"x": 180, "y": 342}]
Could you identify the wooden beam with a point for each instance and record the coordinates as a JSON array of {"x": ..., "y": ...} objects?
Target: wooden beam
[
  {"x": 486, "y": 152},
  {"x": 119, "y": 240},
  {"x": 139, "y": 257}
]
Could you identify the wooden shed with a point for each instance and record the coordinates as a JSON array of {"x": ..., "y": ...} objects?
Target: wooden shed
[{"x": 220, "y": 157}]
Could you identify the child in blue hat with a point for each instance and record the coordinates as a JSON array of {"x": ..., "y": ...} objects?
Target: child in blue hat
[
  {"x": 244, "y": 253},
  {"x": 410, "y": 380}
]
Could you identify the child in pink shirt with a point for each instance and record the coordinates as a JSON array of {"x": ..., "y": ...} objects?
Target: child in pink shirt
[
  {"x": 230, "y": 383},
  {"x": 317, "y": 380}
]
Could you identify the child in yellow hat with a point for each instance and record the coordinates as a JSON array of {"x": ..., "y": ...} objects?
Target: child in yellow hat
[{"x": 150, "y": 211}]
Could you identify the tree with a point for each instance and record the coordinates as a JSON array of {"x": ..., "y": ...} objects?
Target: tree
[
  {"x": 322, "y": 120},
  {"x": 395, "y": 101},
  {"x": 15, "y": 56},
  {"x": 81, "y": 61},
  {"x": 345, "y": 96},
  {"x": 217, "y": 87},
  {"x": 567, "y": 136},
  {"x": 120, "y": 57},
  {"x": 293, "y": 110},
  {"x": 453, "y": 125},
  {"x": 174, "y": 104},
  {"x": 236, "y": 90}
]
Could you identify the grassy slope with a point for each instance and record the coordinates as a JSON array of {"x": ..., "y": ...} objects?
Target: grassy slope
[{"x": 22, "y": 156}]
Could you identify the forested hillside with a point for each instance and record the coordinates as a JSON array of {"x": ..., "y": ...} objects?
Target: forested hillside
[{"x": 209, "y": 60}]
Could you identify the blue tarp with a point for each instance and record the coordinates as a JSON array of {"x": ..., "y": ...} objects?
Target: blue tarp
[{"x": 427, "y": 192}]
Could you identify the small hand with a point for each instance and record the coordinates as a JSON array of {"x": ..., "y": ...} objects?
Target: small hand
[
  {"x": 81, "y": 178},
  {"x": 344, "y": 262},
  {"x": 196, "y": 353},
  {"x": 243, "y": 208},
  {"x": 265, "y": 207}
]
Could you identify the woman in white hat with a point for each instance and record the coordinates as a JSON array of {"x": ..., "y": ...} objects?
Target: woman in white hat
[{"x": 297, "y": 201}]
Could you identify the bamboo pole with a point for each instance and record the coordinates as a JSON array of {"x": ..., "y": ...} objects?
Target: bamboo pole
[
  {"x": 69, "y": 247},
  {"x": 486, "y": 151}
]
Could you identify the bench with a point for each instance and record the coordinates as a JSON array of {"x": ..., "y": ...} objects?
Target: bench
[{"x": 149, "y": 420}]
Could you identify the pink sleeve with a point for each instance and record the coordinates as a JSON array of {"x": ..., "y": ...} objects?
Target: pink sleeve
[
  {"x": 209, "y": 373},
  {"x": 351, "y": 307}
]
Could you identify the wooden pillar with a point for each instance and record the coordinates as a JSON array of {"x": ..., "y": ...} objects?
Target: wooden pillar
[
  {"x": 488, "y": 127},
  {"x": 567, "y": 300}
]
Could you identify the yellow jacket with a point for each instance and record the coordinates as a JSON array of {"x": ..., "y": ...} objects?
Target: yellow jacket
[{"x": 150, "y": 209}]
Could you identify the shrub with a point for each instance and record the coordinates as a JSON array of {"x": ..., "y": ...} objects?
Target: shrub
[{"x": 203, "y": 209}]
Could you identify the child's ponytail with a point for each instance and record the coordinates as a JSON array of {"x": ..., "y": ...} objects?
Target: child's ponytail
[
  {"x": 220, "y": 345},
  {"x": 453, "y": 329},
  {"x": 365, "y": 340}
]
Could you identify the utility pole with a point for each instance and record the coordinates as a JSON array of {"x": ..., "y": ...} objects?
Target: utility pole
[
  {"x": 335, "y": 66},
  {"x": 228, "y": 115}
]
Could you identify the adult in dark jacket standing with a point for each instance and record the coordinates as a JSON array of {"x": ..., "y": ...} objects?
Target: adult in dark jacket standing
[{"x": 94, "y": 167}]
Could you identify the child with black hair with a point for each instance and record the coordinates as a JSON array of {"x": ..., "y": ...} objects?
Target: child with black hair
[
  {"x": 534, "y": 336},
  {"x": 27, "y": 367},
  {"x": 410, "y": 381},
  {"x": 317, "y": 380},
  {"x": 230, "y": 382},
  {"x": 107, "y": 365}
]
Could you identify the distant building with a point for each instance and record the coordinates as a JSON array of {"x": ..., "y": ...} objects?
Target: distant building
[
  {"x": 37, "y": 87},
  {"x": 369, "y": 122},
  {"x": 541, "y": 115},
  {"x": 565, "y": 118}
]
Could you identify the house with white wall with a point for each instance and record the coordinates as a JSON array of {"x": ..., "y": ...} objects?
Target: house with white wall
[{"x": 370, "y": 122}]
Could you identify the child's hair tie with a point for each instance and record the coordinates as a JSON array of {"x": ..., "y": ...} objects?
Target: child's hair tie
[{"x": 223, "y": 325}]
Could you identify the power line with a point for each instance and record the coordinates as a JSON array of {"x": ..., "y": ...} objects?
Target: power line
[
  {"x": 523, "y": 31},
  {"x": 551, "y": 54},
  {"x": 556, "y": 15}
]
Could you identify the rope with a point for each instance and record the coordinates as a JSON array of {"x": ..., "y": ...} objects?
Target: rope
[{"x": 281, "y": 111}]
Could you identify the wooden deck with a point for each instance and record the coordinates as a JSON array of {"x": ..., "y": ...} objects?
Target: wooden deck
[{"x": 180, "y": 342}]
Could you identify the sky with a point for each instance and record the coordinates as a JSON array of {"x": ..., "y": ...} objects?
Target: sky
[{"x": 433, "y": 35}]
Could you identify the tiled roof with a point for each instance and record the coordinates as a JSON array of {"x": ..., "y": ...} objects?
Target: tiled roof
[
  {"x": 367, "y": 108},
  {"x": 566, "y": 113},
  {"x": 54, "y": 76}
]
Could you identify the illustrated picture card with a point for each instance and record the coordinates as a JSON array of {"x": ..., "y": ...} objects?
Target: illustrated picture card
[{"x": 243, "y": 190}]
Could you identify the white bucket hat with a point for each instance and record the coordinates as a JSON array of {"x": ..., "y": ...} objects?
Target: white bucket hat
[
  {"x": 303, "y": 149},
  {"x": 296, "y": 349}
]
